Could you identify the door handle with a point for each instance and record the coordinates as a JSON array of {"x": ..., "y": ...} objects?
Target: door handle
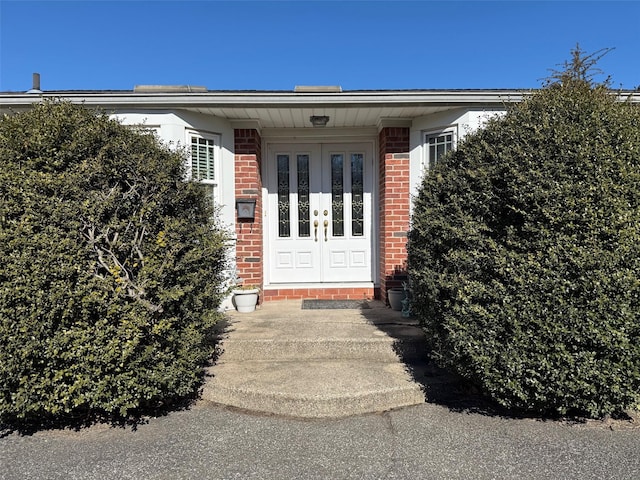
[
  {"x": 326, "y": 224},
  {"x": 315, "y": 229}
]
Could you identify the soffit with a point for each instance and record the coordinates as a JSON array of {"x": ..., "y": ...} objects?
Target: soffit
[{"x": 294, "y": 117}]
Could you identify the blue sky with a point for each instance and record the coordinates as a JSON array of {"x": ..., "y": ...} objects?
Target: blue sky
[{"x": 268, "y": 45}]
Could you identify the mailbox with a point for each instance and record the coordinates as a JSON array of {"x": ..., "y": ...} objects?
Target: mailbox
[{"x": 246, "y": 208}]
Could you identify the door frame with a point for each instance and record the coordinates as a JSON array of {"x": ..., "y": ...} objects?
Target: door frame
[{"x": 324, "y": 137}]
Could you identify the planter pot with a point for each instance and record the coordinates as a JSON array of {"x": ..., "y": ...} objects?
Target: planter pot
[
  {"x": 395, "y": 296},
  {"x": 245, "y": 300}
]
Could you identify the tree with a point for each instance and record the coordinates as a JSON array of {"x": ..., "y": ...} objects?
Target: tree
[
  {"x": 111, "y": 273},
  {"x": 524, "y": 253}
]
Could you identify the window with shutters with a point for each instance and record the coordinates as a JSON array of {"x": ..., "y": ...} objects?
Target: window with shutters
[{"x": 204, "y": 162}]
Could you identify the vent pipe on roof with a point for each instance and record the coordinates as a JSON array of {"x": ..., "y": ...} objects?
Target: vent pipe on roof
[
  {"x": 169, "y": 89},
  {"x": 36, "y": 84},
  {"x": 318, "y": 89}
]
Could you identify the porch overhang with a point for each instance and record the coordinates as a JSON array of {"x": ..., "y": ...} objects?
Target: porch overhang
[
  {"x": 286, "y": 109},
  {"x": 283, "y": 109}
]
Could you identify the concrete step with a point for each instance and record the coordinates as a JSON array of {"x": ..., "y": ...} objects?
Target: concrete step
[
  {"x": 331, "y": 336},
  {"x": 283, "y": 360},
  {"x": 379, "y": 349},
  {"x": 312, "y": 389}
]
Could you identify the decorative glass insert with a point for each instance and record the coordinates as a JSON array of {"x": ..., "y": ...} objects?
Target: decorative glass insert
[
  {"x": 337, "y": 194},
  {"x": 284, "y": 224},
  {"x": 202, "y": 158},
  {"x": 357, "y": 195},
  {"x": 304, "y": 223},
  {"x": 438, "y": 146}
]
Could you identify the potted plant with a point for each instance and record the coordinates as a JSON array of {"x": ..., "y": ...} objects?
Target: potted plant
[
  {"x": 395, "y": 296},
  {"x": 245, "y": 298}
]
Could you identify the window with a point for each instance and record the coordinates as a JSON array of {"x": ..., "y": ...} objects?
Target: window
[
  {"x": 204, "y": 167},
  {"x": 437, "y": 145}
]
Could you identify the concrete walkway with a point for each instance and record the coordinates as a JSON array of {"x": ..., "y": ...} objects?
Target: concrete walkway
[{"x": 284, "y": 360}]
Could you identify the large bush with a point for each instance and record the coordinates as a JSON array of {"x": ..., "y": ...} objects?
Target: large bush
[
  {"x": 110, "y": 273},
  {"x": 525, "y": 252}
]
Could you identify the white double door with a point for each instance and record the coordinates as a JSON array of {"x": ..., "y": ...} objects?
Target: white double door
[{"x": 319, "y": 216}]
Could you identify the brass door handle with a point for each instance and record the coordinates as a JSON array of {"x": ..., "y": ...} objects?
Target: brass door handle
[
  {"x": 315, "y": 229},
  {"x": 326, "y": 224}
]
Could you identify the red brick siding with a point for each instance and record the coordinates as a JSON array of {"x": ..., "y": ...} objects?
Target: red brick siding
[
  {"x": 249, "y": 244},
  {"x": 320, "y": 293},
  {"x": 394, "y": 206}
]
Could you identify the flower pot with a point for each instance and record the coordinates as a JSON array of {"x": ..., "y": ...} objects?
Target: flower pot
[
  {"x": 395, "y": 296},
  {"x": 245, "y": 300}
]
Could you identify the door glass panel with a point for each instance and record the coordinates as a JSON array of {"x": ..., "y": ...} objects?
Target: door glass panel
[
  {"x": 357, "y": 195},
  {"x": 283, "y": 196},
  {"x": 304, "y": 225},
  {"x": 337, "y": 194}
]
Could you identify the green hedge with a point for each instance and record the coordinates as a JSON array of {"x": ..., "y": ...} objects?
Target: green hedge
[
  {"x": 524, "y": 254},
  {"x": 111, "y": 270}
]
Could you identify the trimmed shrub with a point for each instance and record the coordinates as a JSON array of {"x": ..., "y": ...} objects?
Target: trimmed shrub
[
  {"x": 111, "y": 272},
  {"x": 524, "y": 254}
]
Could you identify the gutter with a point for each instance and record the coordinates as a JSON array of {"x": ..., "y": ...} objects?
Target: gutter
[{"x": 272, "y": 99}]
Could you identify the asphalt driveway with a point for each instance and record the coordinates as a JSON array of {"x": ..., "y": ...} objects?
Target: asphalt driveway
[{"x": 428, "y": 441}]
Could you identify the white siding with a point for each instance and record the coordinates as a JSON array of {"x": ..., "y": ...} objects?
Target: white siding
[
  {"x": 172, "y": 128},
  {"x": 462, "y": 121}
]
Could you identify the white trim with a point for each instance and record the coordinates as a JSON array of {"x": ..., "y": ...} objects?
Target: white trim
[
  {"x": 249, "y": 124},
  {"x": 315, "y": 135},
  {"x": 268, "y": 144},
  {"x": 303, "y": 286},
  {"x": 286, "y": 98},
  {"x": 217, "y": 160},
  {"x": 386, "y": 122}
]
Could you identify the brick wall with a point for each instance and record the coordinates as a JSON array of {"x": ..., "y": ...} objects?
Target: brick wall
[
  {"x": 394, "y": 206},
  {"x": 249, "y": 246},
  {"x": 320, "y": 293}
]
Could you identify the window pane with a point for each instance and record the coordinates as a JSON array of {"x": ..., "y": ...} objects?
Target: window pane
[
  {"x": 439, "y": 145},
  {"x": 304, "y": 225},
  {"x": 202, "y": 158},
  {"x": 357, "y": 192},
  {"x": 337, "y": 194},
  {"x": 283, "y": 196}
]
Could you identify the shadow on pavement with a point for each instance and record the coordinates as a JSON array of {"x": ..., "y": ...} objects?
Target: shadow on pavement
[{"x": 439, "y": 386}]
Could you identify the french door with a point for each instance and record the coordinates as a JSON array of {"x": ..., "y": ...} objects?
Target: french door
[{"x": 319, "y": 217}]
